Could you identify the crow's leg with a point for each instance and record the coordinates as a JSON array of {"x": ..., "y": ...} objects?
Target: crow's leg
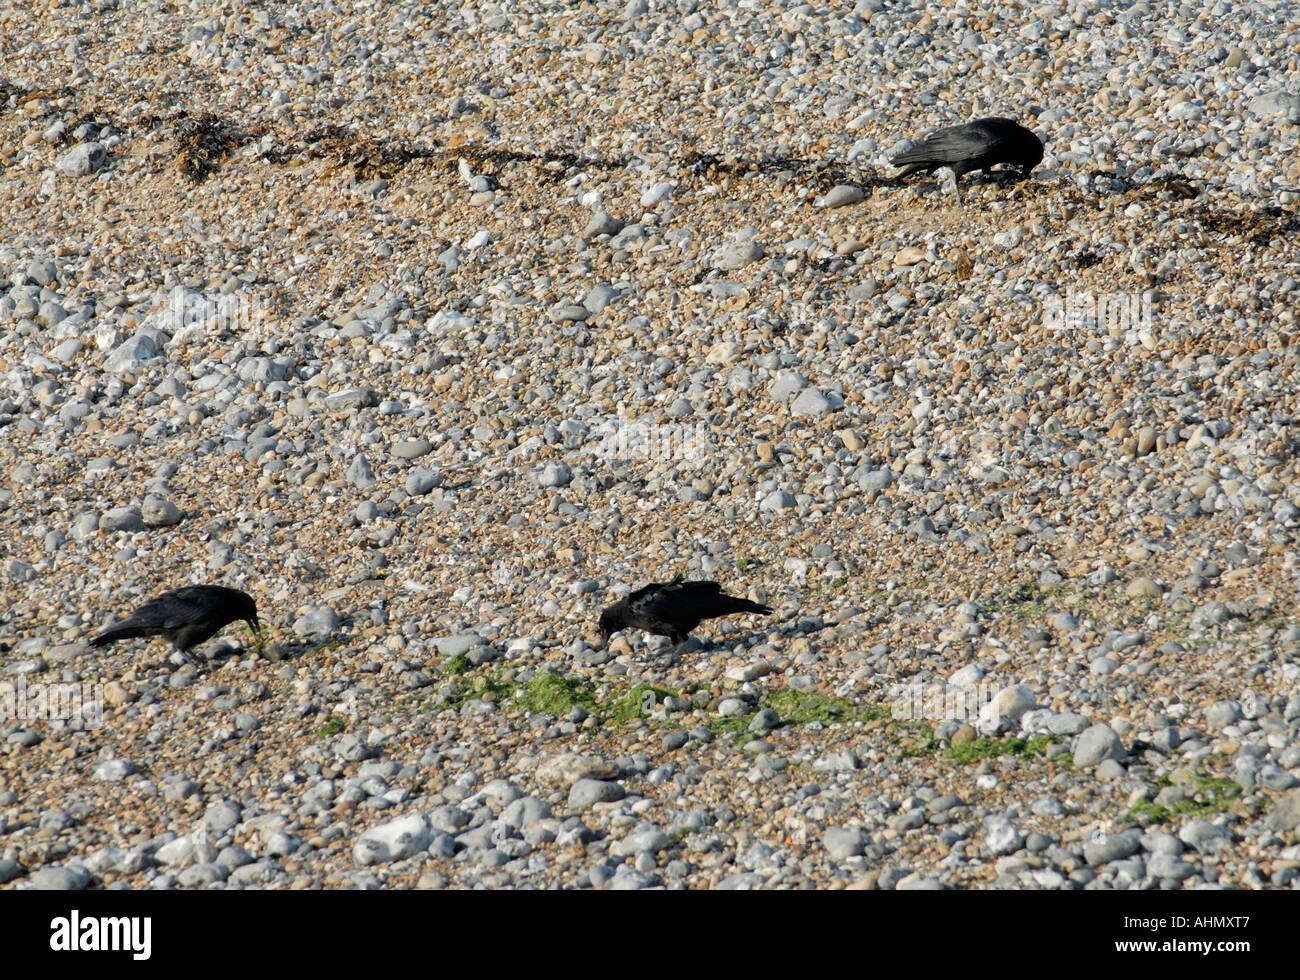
[{"x": 188, "y": 658}]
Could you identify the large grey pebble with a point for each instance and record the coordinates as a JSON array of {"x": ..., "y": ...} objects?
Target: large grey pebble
[
  {"x": 812, "y": 402},
  {"x": 360, "y": 474},
  {"x": 221, "y": 817},
  {"x": 744, "y": 881},
  {"x": 1285, "y": 815},
  {"x": 83, "y": 159},
  {"x": 1222, "y": 713},
  {"x": 116, "y": 860},
  {"x": 918, "y": 882},
  {"x": 586, "y": 792},
  {"x": 627, "y": 880},
  {"x": 198, "y": 875},
  {"x": 121, "y": 519},
  {"x": 842, "y": 842},
  {"x": 1001, "y": 836},
  {"x": 1103, "y": 848},
  {"x": 422, "y": 481},
  {"x": 599, "y": 297},
  {"x": 1066, "y": 723},
  {"x": 449, "y": 819},
  {"x": 1005, "y": 708},
  {"x": 412, "y": 448},
  {"x": 316, "y": 623},
  {"x": 72, "y": 877},
  {"x": 525, "y": 811},
  {"x": 777, "y": 500},
  {"x": 129, "y": 354},
  {"x": 841, "y": 195},
  {"x": 1211, "y": 613},
  {"x": 736, "y": 255},
  {"x": 351, "y": 399},
  {"x": 651, "y": 839},
  {"x": 602, "y": 224},
  {"x": 41, "y": 271},
  {"x": 179, "y": 853},
  {"x": 1206, "y": 837},
  {"x": 113, "y": 770},
  {"x": 1272, "y": 103},
  {"x": 846, "y": 761},
  {"x": 1097, "y": 743},
  {"x": 556, "y": 474},
  {"x": 393, "y": 841},
  {"x": 1164, "y": 865},
  {"x": 234, "y": 857},
  {"x": 158, "y": 511},
  {"x": 568, "y": 313},
  {"x": 786, "y": 386},
  {"x": 453, "y": 646}
]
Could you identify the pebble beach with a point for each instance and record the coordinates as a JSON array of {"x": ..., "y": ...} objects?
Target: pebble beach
[{"x": 438, "y": 329}]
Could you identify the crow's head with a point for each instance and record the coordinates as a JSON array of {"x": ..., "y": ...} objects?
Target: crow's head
[
  {"x": 246, "y": 609},
  {"x": 1031, "y": 153},
  {"x": 610, "y": 623}
]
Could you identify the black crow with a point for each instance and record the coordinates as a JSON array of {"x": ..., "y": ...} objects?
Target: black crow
[
  {"x": 673, "y": 609},
  {"x": 974, "y": 146},
  {"x": 186, "y": 616}
]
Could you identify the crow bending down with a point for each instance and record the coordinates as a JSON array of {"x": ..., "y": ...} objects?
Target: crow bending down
[
  {"x": 673, "y": 609},
  {"x": 186, "y": 616},
  {"x": 974, "y": 146}
]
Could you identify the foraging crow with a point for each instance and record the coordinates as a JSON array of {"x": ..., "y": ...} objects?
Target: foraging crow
[
  {"x": 185, "y": 616},
  {"x": 673, "y": 609},
  {"x": 975, "y": 146}
]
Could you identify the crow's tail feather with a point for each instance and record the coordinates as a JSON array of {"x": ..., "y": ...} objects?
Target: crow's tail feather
[
  {"x": 123, "y": 631},
  {"x": 923, "y": 167}
]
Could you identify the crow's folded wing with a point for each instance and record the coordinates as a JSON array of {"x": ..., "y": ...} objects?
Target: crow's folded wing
[
  {"x": 678, "y": 601},
  {"x": 949, "y": 146},
  {"x": 173, "y": 610}
]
